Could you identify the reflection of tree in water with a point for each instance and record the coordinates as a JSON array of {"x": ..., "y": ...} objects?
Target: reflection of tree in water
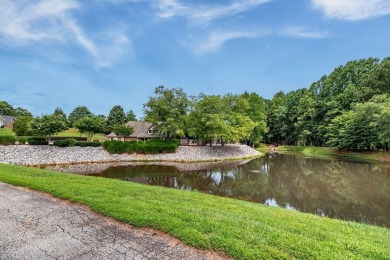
[
  {"x": 333, "y": 188},
  {"x": 340, "y": 189}
]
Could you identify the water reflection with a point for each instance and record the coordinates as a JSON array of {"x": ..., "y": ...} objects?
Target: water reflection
[{"x": 334, "y": 188}]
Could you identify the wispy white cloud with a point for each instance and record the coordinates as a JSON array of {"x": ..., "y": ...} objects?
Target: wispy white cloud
[
  {"x": 304, "y": 33},
  {"x": 52, "y": 21},
  {"x": 200, "y": 13},
  {"x": 216, "y": 39},
  {"x": 352, "y": 9}
]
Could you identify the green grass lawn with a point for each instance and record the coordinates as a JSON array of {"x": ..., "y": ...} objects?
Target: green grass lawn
[
  {"x": 243, "y": 230},
  {"x": 6, "y": 131},
  {"x": 73, "y": 132}
]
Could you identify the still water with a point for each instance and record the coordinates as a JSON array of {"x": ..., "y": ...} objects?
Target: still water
[{"x": 326, "y": 187}]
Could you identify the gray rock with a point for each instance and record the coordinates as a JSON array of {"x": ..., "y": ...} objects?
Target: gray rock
[{"x": 46, "y": 155}]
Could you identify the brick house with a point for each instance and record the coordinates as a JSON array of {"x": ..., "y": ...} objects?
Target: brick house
[{"x": 7, "y": 121}]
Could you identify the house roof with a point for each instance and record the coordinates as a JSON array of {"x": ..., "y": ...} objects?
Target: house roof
[
  {"x": 141, "y": 129},
  {"x": 7, "y": 119},
  {"x": 112, "y": 134}
]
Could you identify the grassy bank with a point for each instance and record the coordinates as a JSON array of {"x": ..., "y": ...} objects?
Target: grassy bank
[
  {"x": 379, "y": 156},
  {"x": 71, "y": 132},
  {"x": 242, "y": 229}
]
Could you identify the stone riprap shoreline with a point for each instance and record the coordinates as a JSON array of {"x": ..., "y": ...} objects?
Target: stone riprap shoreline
[
  {"x": 50, "y": 155},
  {"x": 97, "y": 168}
]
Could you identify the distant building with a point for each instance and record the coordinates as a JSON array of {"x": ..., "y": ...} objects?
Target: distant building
[
  {"x": 7, "y": 121},
  {"x": 142, "y": 131}
]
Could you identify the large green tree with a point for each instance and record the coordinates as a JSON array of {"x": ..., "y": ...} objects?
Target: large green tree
[
  {"x": 123, "y": 130},
  {"x": 78, "y": 113},
  {"x": 215, "y": 117},
  {"x": 116, "y": 116},
  {"x": 19, "y": 111},
  {"x": 130, "y": 116},
  {"x": 90, "y": 125},
  {"x": 167, "y": 109},
  {"x": 256, "y": 111},
  {"x": 6, "y": 109},
  {"x": 48, "y": 125},
  {"x": 22, "y": 125}
]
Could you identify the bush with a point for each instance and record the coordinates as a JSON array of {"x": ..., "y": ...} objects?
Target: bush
[
  {"x": 149, "y": 147},
  {"x": 79, "y": 139},
  {"x": 37, "y": 140},
  {"x": 88, "y": 144},
  {"x": 65, "y": 143},
  {"x": 22, "y": 140},
  {"x": 7, "y": 140}
]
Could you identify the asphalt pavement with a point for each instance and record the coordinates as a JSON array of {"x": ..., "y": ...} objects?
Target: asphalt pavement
[{"x": 34, "y": 225}]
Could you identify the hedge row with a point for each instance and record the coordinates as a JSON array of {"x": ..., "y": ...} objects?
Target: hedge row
[
  {"x": 79, "y": 139},
  {"x": 37, "y": 140},
  {"x": 7, "y": 140},
  {"x": 73, "y": 142},
  {"x": 152, "y": 147}
]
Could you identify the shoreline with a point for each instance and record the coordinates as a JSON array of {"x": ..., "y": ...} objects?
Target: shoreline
[
  {"x": 329, "y": 152},
  {"x": 51, "y": 155}
]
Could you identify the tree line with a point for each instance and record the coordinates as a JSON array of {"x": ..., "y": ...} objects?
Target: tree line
[{"x": 347, "y": 109}]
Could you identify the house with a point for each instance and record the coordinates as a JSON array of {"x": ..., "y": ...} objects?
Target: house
[
  {"x": 7, "y": 121},
  {"x": 142, "y": 131}
]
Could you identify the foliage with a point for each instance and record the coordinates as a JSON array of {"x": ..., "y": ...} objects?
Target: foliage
[
  {"x": 123, "y": 130},
  {"x": 19, "y": 111},
  {"x": 22, "y": 140},
  {"x": 37, "y": 140},
  {"x": 345, "y": 109},
  {"x": 243, "y": 230},
  {"x": 88, "y": 144},
  {"x": 66, "y": 142},
  {"x": 116, "y": 116},
  {"x": 151, "y": 147},
  {"x": 257, "y": 113},
  {"x": 78, "y": 113},
  {"x": 130, "y": 116},
  {"x": 22, "y": 126},
  {"x": 7, "y": 139},
  {"x": 167, "y": 110},
  {"x": 90, "y": 125},
  {"x": 215, "y": 117},
  {"x": 60, "y": 113},
  {"x": 48, "y": 125},
  {"x": 6, "y": 109}
]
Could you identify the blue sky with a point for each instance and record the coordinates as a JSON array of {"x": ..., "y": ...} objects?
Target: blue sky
[{"x": 100, "y": 53}]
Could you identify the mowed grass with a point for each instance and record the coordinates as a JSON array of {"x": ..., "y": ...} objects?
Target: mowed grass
[
  {"x": 6, "y": 131},
  {"x": 242, "y": 229},
  {"x": 73, "y": 132}
]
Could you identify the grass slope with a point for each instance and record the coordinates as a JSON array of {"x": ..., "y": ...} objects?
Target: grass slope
[
  {"x": 71, "y": 132},
  {"x": 242, "y": 229},
  {"x": 6, "y": 131}
]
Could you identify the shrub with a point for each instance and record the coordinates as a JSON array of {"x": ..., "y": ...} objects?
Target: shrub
[
  {"x": 79, "y": 139},
  {"x": 115, "y": 146},
  {"x": 88, "y": 144},
  {"x": 37, "y": 140},
  {"x": 65, "y": 143},
  {"x": 149, "y": 147},
  {"x": 22, "y": 140},
  {"x": 7, "y": 140}
]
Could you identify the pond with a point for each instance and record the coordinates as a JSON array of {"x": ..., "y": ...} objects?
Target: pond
[{"x": 326, "y": 187}]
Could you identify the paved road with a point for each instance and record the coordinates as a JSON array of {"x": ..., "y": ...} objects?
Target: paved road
[{"x": 36, "y": 226}]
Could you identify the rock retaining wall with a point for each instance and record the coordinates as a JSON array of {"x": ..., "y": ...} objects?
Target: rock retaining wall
[{"x": 38, "y": 155}]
